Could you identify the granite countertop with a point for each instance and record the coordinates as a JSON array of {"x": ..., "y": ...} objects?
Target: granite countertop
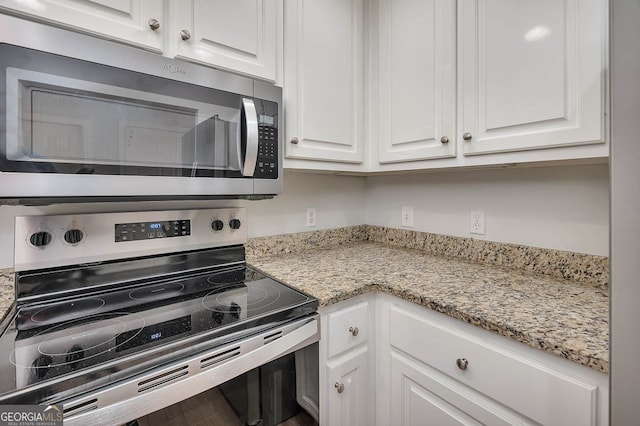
[
  {"x": 563, "y": 317},
  {"x": 559, "y": 316},
  {"x": 7, "y": 294}
]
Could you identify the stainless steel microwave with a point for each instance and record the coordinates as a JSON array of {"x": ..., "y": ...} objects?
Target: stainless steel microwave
[{"x": 130, "y": 125}]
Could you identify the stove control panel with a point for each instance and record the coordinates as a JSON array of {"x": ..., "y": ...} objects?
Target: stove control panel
[
  {"x": 152, "y": 230},
  {"x": 60, "y": 240}
]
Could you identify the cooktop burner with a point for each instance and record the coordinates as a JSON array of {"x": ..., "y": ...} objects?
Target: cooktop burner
[
  {"x": 227, "y": 277},
  {"x": 256, "y": 298},
  {"x": 158, "y": 291},
  {"x": 66, "y": 310},
  {"x": 129, "y": 329}
]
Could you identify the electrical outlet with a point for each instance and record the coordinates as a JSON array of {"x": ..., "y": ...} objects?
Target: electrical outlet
[
  {"x": 406, "y": 216},
  {"x": 476, "y": 222},
  {"x": 311, "y": 217}
]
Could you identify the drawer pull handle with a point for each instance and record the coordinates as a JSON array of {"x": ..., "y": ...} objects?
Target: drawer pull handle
[
  {"x": 462, "y": 363},
  {"x": 294, "y": 141},
  {"x": 354, "y": 331},
  {"x": 467, "y": 136},
  {"x": 339, "y": 387}
]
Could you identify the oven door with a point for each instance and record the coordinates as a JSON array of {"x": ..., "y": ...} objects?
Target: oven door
[
  {"x": 74, "y": 128},
  {"x": 259, "y": 357}
]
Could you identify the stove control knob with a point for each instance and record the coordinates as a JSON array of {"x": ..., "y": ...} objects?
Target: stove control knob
[
  {"x": 74, "y": 356},
  {"x": 41, "y": 366},
  {"x": 234, "y": 223},
  {"x": 217, "y": 225},
  {"x": 40, "y": 239},
  {"x": 73, "y": 236},
  {"x": 217, "y": 317},
  {"x": 235, "y": 310}
]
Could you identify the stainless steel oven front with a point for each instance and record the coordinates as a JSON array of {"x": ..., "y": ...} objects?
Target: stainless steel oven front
[
  {"x": 129, "y": 123},
  {"x": 123, "y": 315}
]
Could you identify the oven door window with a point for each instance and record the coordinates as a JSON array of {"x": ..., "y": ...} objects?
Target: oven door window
[{"x": 264, "y": 396}]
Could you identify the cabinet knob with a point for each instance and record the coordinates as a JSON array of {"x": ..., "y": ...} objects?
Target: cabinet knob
[
  {"x": 154, "y": 24},
  {"x": 462, "y": 363},
  {"x": 467, "y": 136},
  {"x": 294, "y": 141},
  {"x": 444, "y": 139},
  {"x": 339, "y": 387},
  {"x": 354, "y": 331},
  {"x": 185, "y": 35}
]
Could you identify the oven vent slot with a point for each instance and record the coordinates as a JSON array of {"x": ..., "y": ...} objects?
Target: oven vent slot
[
  {"x": 273, "y": 336},
  {"x": 163, "y": 378},
  {"x": 82, "y": 407},
  {"x": 219, "y": 357}
]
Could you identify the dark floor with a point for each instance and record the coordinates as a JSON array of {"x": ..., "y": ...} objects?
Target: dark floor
[{"x": 209, "y": 408}]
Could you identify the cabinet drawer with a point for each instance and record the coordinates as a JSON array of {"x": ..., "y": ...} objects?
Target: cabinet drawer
[
  {"x": 347, "y": 328},
  {"x": 544, "y": 395}
]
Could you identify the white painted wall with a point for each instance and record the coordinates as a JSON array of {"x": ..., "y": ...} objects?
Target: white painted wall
[
  {"x": 339, "y": 201},
  {"x": 562, "y": 208}
]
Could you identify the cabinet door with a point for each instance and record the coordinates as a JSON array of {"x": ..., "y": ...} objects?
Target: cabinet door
[
  {"x": 348, "y": 379},
  {"x": 239, "y": 35},
  {"x": 127, "y": 21},
  {"x": 423, "y": 396},
  {"x": 323, "y": 80},
  {"x": 532, "y": 74},
  {"x": 417, "y": 80}
]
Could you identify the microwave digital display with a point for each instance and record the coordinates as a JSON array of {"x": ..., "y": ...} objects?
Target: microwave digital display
[{"x": 266, "y": 119}]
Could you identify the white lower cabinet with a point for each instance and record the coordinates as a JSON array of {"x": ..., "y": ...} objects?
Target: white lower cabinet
[
  {"x": 408, "y": 365},
  {"x": 349, "y": 390},
  {"x": 442, "y": 371},
  {"x": 346, "y": 394},
  {"x": 425, "y": 396}
]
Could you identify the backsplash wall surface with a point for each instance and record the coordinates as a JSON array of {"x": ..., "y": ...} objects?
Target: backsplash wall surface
[
  {"x": 339, "y": 201},
  {"x": 561, "y": 208}
]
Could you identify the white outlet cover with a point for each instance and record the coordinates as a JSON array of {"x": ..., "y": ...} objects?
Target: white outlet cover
[
  {"x": 476, "y": 222},
  {"x": 311, "y": 217},
  {"x": 406, "y": 218}
]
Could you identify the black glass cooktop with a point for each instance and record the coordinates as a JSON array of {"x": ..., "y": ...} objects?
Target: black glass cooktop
[{"x": 50, "y": 348}]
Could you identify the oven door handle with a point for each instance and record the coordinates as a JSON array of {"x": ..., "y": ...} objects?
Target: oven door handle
[
  {"x": 249, "y": 137},
  {"x": 124, "y": 401}
]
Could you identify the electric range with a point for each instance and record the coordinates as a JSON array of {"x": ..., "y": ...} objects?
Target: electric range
[{"x": 151, "y": 301}]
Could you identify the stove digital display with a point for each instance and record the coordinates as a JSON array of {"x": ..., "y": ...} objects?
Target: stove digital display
[
  {"x": 153, "y": 333},
  {"x": 151, "y": 230}
]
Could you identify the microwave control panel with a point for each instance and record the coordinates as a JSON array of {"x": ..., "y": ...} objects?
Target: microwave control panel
[{"x": 267, "y": 162}]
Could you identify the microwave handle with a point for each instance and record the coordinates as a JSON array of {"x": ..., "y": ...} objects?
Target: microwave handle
[{"x": 250, "y": 134}]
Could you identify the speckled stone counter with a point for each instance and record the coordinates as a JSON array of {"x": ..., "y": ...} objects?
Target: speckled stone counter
[
  {"x": 566, "y": 318},
  {"x": 7, "y": 294},
  {"x": 516, "y": 291}
]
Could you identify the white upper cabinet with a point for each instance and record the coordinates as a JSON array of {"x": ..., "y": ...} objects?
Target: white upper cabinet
[
  {"x": 238, "y": 35},
  {"x": 417, "y": 76},
  {"x": 136, "y": 22},
  {"x": 518, "y": 81},
  {"x": 323, "y": 83},
  {"x": 243, "y": 36},
  {"x": 532, "y": 74}
]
